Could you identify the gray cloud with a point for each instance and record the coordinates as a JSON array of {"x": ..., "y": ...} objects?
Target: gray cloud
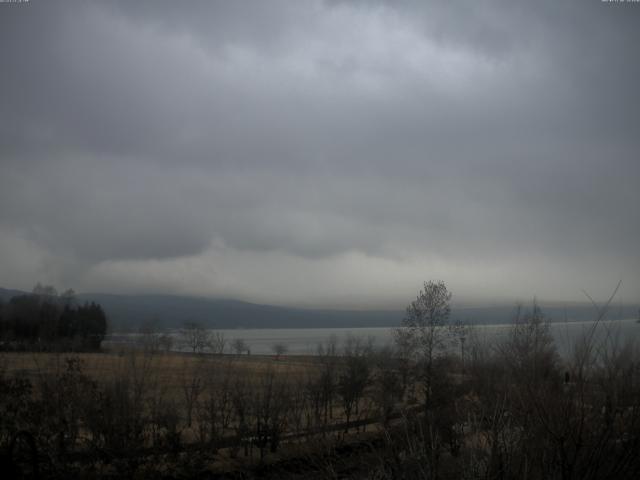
[{"x": 142, "y": 139}]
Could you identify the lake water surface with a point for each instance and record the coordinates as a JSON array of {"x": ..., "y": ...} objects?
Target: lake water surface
[{"x": 305, "y": 341}]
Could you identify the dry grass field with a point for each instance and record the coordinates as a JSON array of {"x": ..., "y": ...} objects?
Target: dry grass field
[
  {"x": 169, "y": 367},
  {"x": 169, "y": 373},
  {"x": 243, "y": 408}
]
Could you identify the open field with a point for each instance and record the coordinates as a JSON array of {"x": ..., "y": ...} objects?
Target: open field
[{"x": 169, "y": 368}]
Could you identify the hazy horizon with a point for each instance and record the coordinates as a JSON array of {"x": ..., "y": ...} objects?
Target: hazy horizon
[
  {"x": 456, "y": 303},
  {"x": 324, "y": 154}
]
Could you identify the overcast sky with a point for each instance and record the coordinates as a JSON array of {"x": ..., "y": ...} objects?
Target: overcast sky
[{"x": 321, "y": 153}]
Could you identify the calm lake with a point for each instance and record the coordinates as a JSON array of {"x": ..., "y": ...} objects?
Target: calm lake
[{"x": 304, "y": 341}]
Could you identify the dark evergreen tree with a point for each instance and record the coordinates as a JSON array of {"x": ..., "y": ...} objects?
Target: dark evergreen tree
[{"x": 48, "y": 320}]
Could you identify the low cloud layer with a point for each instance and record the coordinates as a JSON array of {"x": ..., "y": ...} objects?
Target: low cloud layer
[{"x": 321, "y": 153}]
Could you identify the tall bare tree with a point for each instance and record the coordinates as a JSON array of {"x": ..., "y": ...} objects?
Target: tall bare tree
[{"x": 422, "y": 333}]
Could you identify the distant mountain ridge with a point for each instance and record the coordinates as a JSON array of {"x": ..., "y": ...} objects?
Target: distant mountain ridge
[
  {"x": 6, "y": 294},
  {"x": 129, "y": 312}
]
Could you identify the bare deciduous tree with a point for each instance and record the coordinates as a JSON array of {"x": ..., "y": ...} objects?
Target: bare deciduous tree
[
  {"x": 195, "y": 337},
  {"x": 239, "y": 346},
  {"x": 279, "y": 349},
  {"x": 422, "y": 334},
  {"x": 217, "y": 342},
  {"x": 352, "y": 382}
]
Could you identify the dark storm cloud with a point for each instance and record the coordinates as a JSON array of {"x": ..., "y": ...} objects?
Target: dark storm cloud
[{"x": 420, "y": 133}]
